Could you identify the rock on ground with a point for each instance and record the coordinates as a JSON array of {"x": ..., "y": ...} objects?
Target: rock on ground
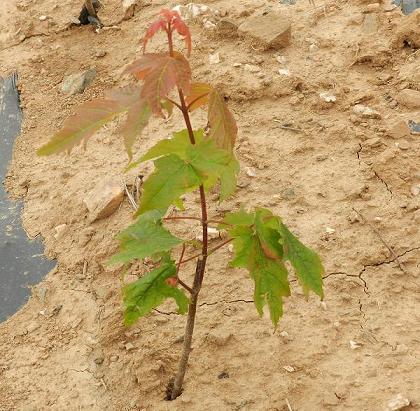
[
  {"x": 76, "y": 83},
  {"x": 409, "y": 98},
  {"x": 271, "y": 30},
  {"x": 104, "y": 199},
  {"x": 398, "y": 402},
  {"x": 129, "y": 7}
]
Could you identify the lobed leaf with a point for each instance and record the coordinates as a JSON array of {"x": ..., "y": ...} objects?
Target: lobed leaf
[
  {"x": 199, "y": 95},
  {"x": 212, "y": 164},
  {"x": 261, "y": 244},
  {"x": 90, "y": 117},
  {"x": 178, "y": 145},
  {"x": 223, "y": 128},
  {"x": 201, "y": 163},
  {"x": 161, "y": 74},
  {"x": 269, "y": 275},
  {"x": 137, "y": 119},
  {"x": 148, "y": 292},
  {"x": 172, "y": 178},
  {"x": 306, "y": 262},
  {"x": 145, "y": 238}
]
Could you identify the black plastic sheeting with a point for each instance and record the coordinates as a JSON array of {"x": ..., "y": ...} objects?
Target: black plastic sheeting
[
  {"x": 407, "y": 6},
  {"x": 22, "y": 262}
]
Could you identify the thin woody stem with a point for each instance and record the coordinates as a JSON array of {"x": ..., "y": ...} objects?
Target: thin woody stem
[
  {"x": 210, "y": 252},
  {"x": 196, "y": 99},
  {"x": 199, "y": 270},
  {"x": 188, "y": 288}
]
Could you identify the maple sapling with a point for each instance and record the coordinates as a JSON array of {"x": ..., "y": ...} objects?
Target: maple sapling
[{"x": 191, "y": 161}]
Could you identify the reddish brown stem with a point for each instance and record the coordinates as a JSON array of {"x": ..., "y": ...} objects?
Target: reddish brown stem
[
  {"x": 196, "y": 99},
  {"x": 210, "y": 252},
  {"x": 199, "y": 271},
  {"x": 188, "y": 288}
]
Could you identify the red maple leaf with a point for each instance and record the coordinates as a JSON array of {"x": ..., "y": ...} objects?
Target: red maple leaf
[{"x": 168, "y": 21}]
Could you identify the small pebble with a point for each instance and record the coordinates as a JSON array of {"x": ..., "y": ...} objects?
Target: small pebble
[
  {"x": 42, "y": 18},
  {"x": 354, "y": 345},
  {"x": 129, "y": 346},
  {"x": 214, "y": 58},
  {"x": 250, "y": 172},
  {"x": 289, "y": 368}
]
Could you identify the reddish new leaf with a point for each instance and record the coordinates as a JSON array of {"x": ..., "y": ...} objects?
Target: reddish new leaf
[
  {"x": 137, "y": 118},
  {"x": 183, "y": 30},
  {"x": 223, "y": 128},
  {"x": 161, "y": 74},
  {"x": 89, "y": 118},
  {"x": 199, "y": 95},
  {"x": 168, "y": 21}
]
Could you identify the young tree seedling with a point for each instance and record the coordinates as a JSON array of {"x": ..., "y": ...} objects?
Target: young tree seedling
[{"x": 191, "y": 161}]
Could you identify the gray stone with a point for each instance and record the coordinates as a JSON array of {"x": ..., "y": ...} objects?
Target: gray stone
[
  {"x": 227, "y": 26},
  {"x": 272, "y": 30},
  {"x": 76, "y": 83}
]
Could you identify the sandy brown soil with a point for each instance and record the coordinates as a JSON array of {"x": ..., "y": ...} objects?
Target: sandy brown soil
[{"x": 66, "y": 349}]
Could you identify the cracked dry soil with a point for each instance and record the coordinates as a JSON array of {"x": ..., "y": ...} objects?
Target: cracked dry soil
[{"x": 67, "y": 348}]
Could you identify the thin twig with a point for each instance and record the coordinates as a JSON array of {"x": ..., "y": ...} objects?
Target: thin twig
[
  {"x": 174, "y": 103},
  {"x": 393, "y": 255},
  {"x": 180, "y": 258},
  {"x": 288, "y": 405},
  {"x": 85, "y": 267},
  {"x": 210, "y": 252},
  {"x": 187, "y": 287},
  {"x": 298, "y": 130},
  {"x": 196, "y": 99},
  {"x": 130, "y": 197}
]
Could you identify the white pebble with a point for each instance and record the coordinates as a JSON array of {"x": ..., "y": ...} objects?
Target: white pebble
[
  {"x": 354, "y": 345},
  {"x": 214, "y": 58},
  {"x": 250, "y": 172}
]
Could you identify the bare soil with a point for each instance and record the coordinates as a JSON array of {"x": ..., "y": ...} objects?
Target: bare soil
[{"x": 343, "y": 184}]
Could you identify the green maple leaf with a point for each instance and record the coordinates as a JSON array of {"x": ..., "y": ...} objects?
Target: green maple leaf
[
  {"x": 261, "y": 244},
  {"x": 146, "y": 237},
  {"x": 214, "y": 164},
  {"x": 178, "y": 145},
  {"x": 269, "y": 275},
  {"x": 148, "y": 292},
  {"x": 182, "y": 167},
  {"x": 257, "y": 248},
  {"x": 306, "y": 262},
  {"x": 172, "y": 178}
]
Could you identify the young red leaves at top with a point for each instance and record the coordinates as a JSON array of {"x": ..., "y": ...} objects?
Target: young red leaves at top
[
  {"x": 169, "y": 21},
  {"x": 261, "y": 244}
]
